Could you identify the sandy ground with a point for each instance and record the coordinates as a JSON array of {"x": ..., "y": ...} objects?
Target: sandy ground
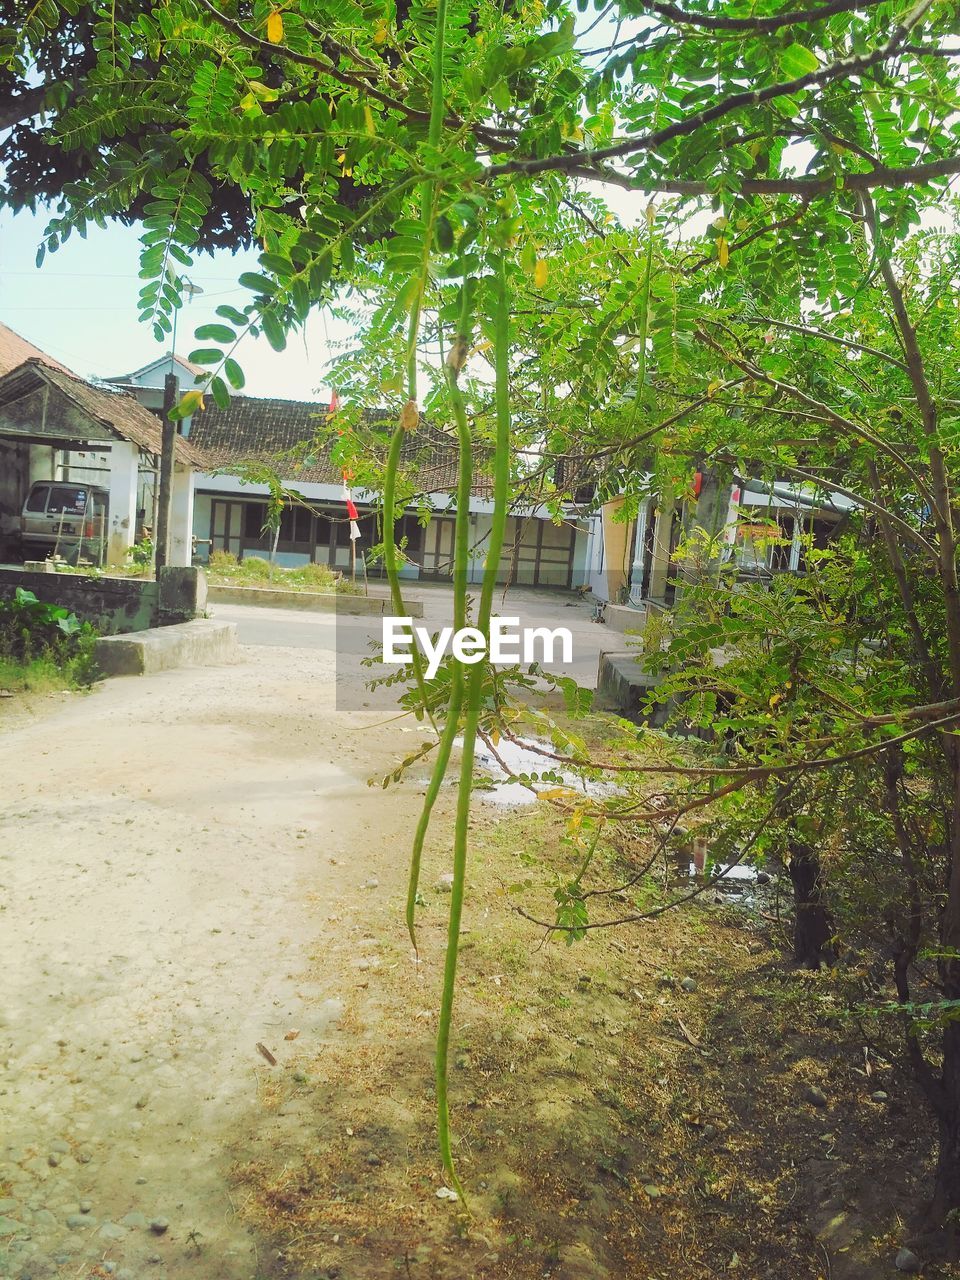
[{"x": 172, "y": 846}]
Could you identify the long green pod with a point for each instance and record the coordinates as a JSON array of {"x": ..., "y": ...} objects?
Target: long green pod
[
  {"x": 460, "y": 561},
  {"x": 501, "y": 461},
  {"x": 390, "y": 557},
  {"x": 427, "y": 196},
  {"x": 471, "y": 722}
]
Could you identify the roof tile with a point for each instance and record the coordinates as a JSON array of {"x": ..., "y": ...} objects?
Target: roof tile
[{"x": 289, "y": 435}]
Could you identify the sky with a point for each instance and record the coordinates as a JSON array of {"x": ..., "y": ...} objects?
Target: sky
[{"x": 81, "y": 307}]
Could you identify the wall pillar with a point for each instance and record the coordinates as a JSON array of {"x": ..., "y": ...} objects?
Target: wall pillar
[
  {"x": 124, "y": 472},
  {"x": 181, "y": 517},
  {"x": 639, "y": 542},
  {"x": 660, "y": 561},
  {"x": 616, "y": 544}
]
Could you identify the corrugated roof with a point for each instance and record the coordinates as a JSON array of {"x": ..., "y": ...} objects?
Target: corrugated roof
[
  {"x": 115, "y": 410},
  {"x": 294, "y": 438}
]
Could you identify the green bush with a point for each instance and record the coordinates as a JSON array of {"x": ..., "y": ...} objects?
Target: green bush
[
  {"x": 318, "y": 576},
  {"x": 254, "y": 569},
  {"x": 222, "y": 562},
  {"x": 32, "y": 631}
]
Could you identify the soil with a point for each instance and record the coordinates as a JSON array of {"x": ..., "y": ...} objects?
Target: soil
[
  {"x": 172, "y": 849},
  {"x": 214, "y": 1020}
]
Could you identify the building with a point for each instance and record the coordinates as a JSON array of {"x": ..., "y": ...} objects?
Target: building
[
  {"x": 762, "y": 529},
  {"x": 55, "y": 425},
  {"x": 253, "y": 439}
]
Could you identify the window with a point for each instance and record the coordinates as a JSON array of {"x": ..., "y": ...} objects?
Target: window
[
  {"x": 295, "y": 525},
  {"x": 38, "y": 498},
  {"x": 754, "y": 542},
  {"x": 254, "y": 518},
  {"x": 64, "y": 498}
]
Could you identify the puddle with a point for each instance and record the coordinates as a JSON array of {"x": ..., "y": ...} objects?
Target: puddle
[
  {"x": 527, "y": 763},
  {"x": 728, "y": 875}
]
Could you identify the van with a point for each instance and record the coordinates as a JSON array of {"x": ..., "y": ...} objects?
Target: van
[{"x": 70, "y": 519}]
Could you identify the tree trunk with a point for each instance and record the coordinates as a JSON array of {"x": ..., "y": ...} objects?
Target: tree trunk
[
  {"x": 944, "y": 1092},
  {"x": 813, "y": 924},
  {"x": 946, "y": 1187}
]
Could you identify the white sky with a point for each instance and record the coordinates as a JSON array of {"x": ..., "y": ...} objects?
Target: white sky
[{"x": 81, "y": 306}]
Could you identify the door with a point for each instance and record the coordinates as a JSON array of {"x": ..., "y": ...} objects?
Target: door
[
  {"x": 226, "y": 526},
  {"x": 438, "y": 547}
]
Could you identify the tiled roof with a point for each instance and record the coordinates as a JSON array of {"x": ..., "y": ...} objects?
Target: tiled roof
[
  {"x": 296, "y": 439},
  {"x": 14, "y": 350},
  {"x": 115, "y": 410}
]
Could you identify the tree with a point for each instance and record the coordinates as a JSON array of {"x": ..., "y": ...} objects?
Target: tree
[{"x": 470, "y": 155}]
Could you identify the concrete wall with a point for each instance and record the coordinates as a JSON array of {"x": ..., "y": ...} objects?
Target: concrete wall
[
  {"x": 618, "y": 547},
  {"x": 14, "y": 481},
  {"x": 116, "y": 606},
  {"x": 113, "y": 605}
]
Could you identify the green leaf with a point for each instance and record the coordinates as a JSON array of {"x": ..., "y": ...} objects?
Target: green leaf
[
  {"x": 215, "y": 333},
  {"x": 259, "y": 284},
  {"x": 797, "y": 60},
  {"x": 234, "y": 374},
  {"x": 221, "y": 395},
  {"x": 273, "y": 331}
]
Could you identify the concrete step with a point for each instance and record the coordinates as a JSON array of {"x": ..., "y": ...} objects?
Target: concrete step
[
  {"x": 623, "y": 686},
  {"x": 204, "y": 642}
]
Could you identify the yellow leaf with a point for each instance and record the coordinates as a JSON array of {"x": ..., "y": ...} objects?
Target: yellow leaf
[
  {"x": 540, "y": 272},
  {"x": 774, "y": 699},
  {"x": 558, "y": 793},
  {"x": 191, "y": 402},
  {"x": 723, "y": 251},
  {"x": 368, "y": 121},
  {"x": 274, "y": 27},
  {"x": 409, "y": 416}
]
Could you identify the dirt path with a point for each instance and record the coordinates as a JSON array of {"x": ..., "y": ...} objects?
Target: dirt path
[{"x": 172, "y": 847}]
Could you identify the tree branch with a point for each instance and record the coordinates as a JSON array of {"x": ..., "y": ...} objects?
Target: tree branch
[
  {"x": 24, "y": 106},
  {"x": 826, "y": 337},
  {"x": 940, "y": 499},
  {"x": 775, "y": 22},
  {"x": 652, "y": 141}
]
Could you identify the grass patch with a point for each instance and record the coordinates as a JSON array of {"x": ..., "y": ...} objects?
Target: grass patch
[
  {"x": 253, "y": 571},
  {"x": 608, "y": 1123}
]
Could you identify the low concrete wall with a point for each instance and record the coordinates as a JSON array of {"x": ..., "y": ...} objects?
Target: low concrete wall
[
  {"x": 623, "y": 686},
  {"x": 320, "y": 601},
  {"x": 200, "y": 643},
  {"x": 113, "y": 605},
  {"x": 118, "y": 605},
  {"x": 624, "y": 617}
]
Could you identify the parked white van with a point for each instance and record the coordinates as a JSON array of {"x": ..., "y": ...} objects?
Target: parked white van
[{"x": 70, "y": 519}]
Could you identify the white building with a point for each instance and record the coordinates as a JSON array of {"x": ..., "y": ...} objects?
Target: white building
[
  {"x": 255, "y": 439},
  {"x": 57, "y": 426}
]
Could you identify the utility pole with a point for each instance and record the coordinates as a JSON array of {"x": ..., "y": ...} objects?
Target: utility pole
[{"x": 171, "y": 394}]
